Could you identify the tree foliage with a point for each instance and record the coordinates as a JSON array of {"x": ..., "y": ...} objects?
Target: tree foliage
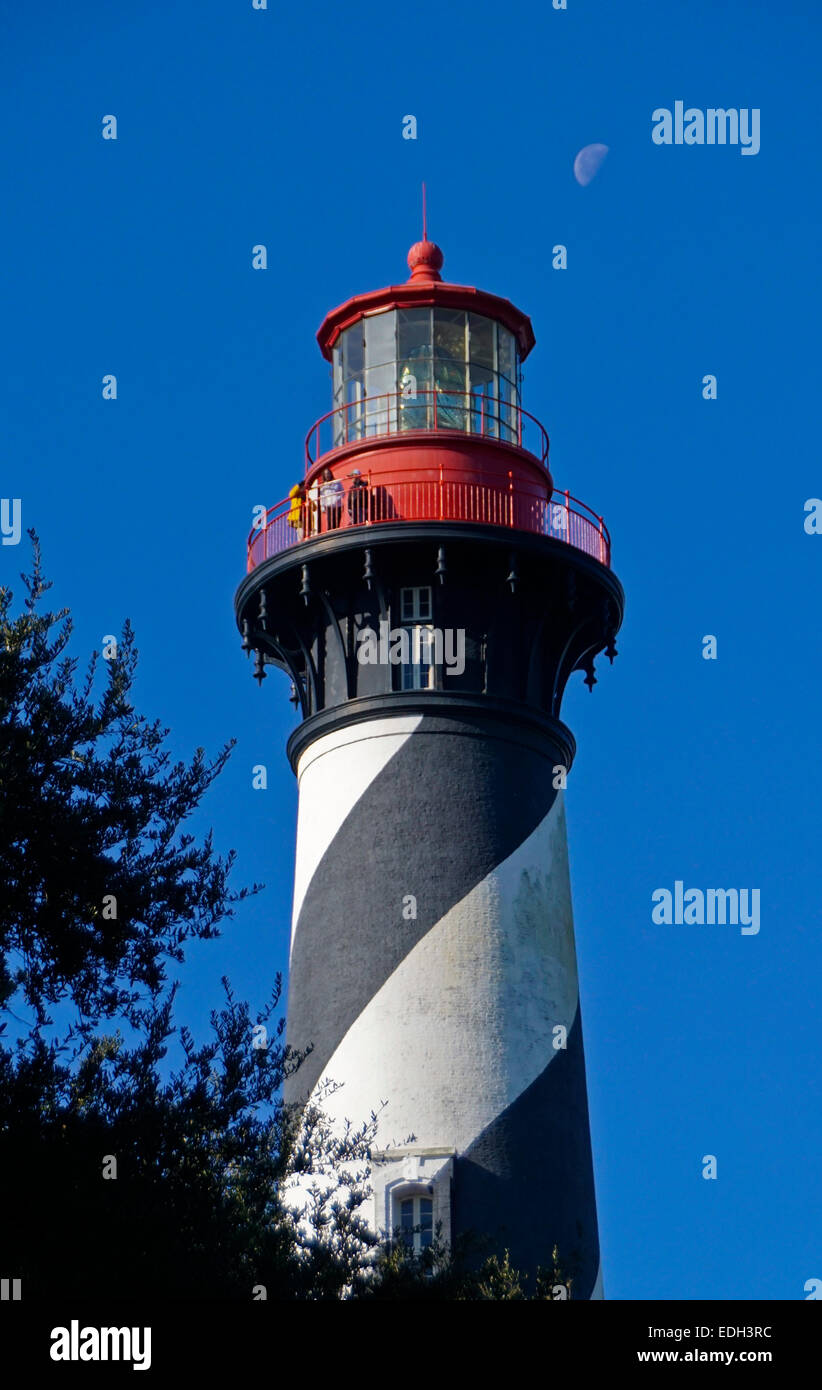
[{"x": 91, "y": 809}]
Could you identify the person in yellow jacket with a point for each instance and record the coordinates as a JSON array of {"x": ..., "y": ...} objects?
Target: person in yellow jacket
[{"x": 295, "y": 511}]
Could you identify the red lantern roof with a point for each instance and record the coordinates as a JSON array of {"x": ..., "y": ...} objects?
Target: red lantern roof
[{"x": 426, "y": 286}]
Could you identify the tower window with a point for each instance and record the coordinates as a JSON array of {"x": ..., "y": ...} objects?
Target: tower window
[
  {"x": 417, "y": 672},
  {"x": 416, "y": 1222},
  {"x": 415, "y": 604}
]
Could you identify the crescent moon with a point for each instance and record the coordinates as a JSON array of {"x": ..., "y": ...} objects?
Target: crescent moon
[{"x": 588, "y": 163}]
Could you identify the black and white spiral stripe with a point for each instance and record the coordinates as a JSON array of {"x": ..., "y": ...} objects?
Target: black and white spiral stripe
[{"x": 449, "y": 1016}]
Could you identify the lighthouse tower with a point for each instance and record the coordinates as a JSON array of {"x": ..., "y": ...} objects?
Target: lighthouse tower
[{"x": 430, "y": 592}]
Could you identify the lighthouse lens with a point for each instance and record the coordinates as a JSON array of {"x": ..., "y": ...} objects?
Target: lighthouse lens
[
  {"x": 414, "y": 341},
  {"x": 484, "y": 406},
  {"x": 425, "y": 369},
  {"x": 449, "y": 334},
  {"x": 414, "y": 333}
]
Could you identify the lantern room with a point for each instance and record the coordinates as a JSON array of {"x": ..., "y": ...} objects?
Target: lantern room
[
  {"x": 425, "y": 355},
  {"x": 393, "y": 370},
  {"x": 426, "y": 422}
]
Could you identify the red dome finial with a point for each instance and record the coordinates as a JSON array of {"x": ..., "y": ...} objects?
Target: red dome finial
[
  {"x": 425, "y": 257},
  {"x": 425, "y": 261}
]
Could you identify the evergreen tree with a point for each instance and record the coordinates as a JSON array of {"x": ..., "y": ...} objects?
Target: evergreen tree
[{"x": 122, "y": 1178}]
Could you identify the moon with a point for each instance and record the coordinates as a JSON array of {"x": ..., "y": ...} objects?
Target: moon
[{"x": 588, "y": 163}]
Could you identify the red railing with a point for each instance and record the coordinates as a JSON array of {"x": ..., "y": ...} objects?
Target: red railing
[
  {"x": 443, "y": 411},
  {"x": 330, "y": 508}
]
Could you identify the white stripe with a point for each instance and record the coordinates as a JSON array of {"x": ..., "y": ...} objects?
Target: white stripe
[
  {"x": 333, "y": 773},
  {"x": 464, "y": 1024}
]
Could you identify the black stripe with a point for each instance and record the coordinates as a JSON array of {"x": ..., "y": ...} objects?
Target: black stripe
[{"x": 526, "y": 1183}]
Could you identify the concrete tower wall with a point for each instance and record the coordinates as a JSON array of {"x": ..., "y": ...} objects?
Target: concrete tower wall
[{"x": 446, "y": 1007}]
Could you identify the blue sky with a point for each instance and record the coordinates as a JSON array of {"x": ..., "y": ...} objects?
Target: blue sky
[{"x": 283, "y": 127}]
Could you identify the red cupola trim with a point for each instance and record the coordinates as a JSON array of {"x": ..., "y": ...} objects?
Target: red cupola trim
[{"x": 426, "y": 286}]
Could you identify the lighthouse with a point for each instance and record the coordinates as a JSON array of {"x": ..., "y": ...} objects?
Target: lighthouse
[{"x": 430, "y": 591}]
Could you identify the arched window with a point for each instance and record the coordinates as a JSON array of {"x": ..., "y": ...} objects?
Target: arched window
[{"x": 414, "y": 1216}]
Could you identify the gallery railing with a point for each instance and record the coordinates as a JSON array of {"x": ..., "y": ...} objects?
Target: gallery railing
[{"x": 374, "y": 499}]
